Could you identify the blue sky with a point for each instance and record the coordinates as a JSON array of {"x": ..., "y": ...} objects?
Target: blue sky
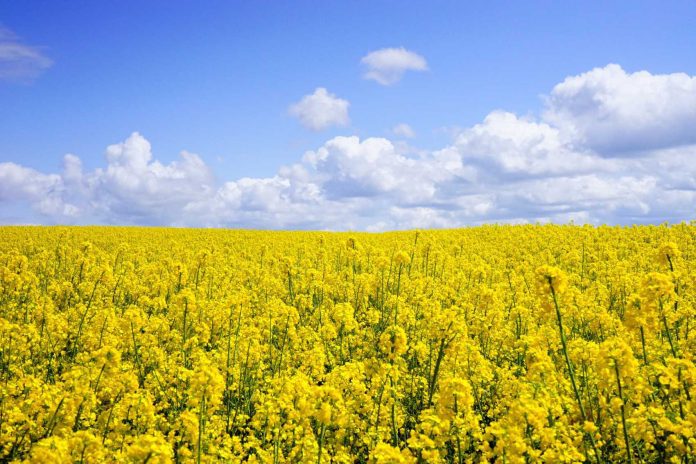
[{"x": 219, "y": 79}]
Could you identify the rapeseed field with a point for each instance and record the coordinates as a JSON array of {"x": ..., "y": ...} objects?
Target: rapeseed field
[{"x": 506, "y": 344}]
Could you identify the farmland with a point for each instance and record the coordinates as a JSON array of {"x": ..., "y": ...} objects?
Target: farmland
[{"x": 508, "y": 344}]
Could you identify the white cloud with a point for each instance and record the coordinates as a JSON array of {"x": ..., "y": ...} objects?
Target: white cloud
[
  {"x": 614, "y": 112},
  {"x": 19, "y": 61},
  {"x": 135, "y": 188},
  {"x": 346, "y": 167},
  {"x": 508, "y": 144},
  {"x": 321, "y": 110},
  {"x": 132, "y": 188},
  {"x": 364, "y": 168},
  {"x": 507, "y": 168},
  {"x": 387, "y": 65},
  {"x": 44, "y": 192},
  {"x": 403, "y": 130}
]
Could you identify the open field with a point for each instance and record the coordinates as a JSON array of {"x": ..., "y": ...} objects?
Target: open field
[{"x": 510, "y": 344}]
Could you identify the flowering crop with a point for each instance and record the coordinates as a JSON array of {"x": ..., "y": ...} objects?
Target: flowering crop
[{"x": 509, "y": 344}]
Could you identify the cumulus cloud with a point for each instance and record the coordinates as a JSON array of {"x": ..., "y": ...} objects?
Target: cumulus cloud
[
  {"x": 20, "y": 62},
  {"x": 350, "y": 168},
  {"x": 507, "y": 144},
  {"x": 131, "y": 189},
  {"x": 135, "y": 188},
  {"x": 43, "y": 191},
  {"x": 615, "y": 112},
  {"x": 507, "y": 168},
  {"x": 321, "y": 110},
  {"x": 387, "y": 65}
]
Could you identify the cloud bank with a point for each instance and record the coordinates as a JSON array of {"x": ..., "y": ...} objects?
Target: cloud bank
[{"x": 609, "y": 147}]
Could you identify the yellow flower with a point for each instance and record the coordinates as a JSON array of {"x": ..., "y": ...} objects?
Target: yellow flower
[
  {"x": 550, "y": 277},
  {"x": 667, "y": 254},
  {"x": 324, "y": 413},
  {"x": 392, "y": 342},
  {"x": 657, "y": 286},
  {"x": 589, "y": 427},
  {"x": 401, "y": 258},
  {"x": 150, "y": 449},
  {"x": 387, "y": 454}
]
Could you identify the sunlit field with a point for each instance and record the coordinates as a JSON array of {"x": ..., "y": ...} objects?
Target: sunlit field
[{"x": 508, "y": 344}]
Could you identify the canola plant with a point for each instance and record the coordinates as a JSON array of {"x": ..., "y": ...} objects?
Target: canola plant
[{"x": 506, "y": 344}]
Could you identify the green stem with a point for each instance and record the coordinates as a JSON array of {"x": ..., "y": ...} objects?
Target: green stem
[
  {"x": 321, "y": 443},
  {"x": 398, "y": 291},
  {"x": 395, "y": 434},
  {"x": 571, "y": 373},
  {"x": 201, "y": 427},
  {"x": 623, "y": 411},
  {"x": 642, "y": 342}
]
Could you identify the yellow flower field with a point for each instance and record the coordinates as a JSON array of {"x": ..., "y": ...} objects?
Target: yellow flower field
[{"x": 508, "y": 344}]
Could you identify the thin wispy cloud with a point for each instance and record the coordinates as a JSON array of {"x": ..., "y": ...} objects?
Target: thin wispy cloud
[
  {"x": 403, "y": 130},
  {"x": 388, "y": 65},
  {"x": 20, "y": 62}
]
